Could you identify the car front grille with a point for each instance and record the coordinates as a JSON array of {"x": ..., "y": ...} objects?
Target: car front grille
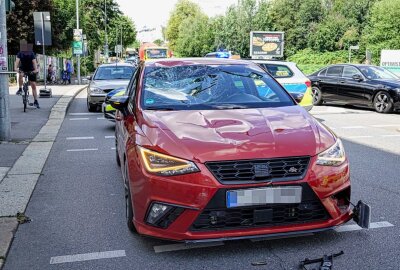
[
  {"x": 217, "y": 217},
  {"x": 259, "y": 170}
]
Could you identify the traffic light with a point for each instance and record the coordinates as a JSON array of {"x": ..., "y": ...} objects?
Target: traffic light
[{"x": 10, "y": 5}]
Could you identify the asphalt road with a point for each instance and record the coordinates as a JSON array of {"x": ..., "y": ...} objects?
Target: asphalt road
[{"x": 77, "y": 207}]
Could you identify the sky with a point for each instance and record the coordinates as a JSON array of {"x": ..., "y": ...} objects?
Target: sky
[{"x": 154, "y": 13}]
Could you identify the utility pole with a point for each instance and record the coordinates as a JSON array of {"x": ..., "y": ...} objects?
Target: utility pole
[
  {"x": 105, "y": 29},
  {"x": 78, "y": 56},
  {"x": 5, "y": 122}
]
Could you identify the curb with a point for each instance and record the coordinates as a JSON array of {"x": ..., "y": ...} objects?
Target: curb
[{"x": 19, "y": 182}]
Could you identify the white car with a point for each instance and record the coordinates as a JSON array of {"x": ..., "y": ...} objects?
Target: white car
[{"x": 290, "y": 77}]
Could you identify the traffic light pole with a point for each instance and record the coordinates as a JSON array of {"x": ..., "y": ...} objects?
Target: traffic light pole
[
  {"x": 78, "y": 56},
  {"x": 5, "y": 123}
]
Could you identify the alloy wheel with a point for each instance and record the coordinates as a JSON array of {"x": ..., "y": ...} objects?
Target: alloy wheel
[{"x": 382, "y": 102}]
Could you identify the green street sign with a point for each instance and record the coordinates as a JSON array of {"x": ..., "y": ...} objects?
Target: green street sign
[{"x": 77, "y": 47}]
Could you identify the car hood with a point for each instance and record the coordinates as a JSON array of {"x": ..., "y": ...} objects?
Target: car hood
[
  {"x": 212, "y": 135},
  {"x": 109, "y": 84}
]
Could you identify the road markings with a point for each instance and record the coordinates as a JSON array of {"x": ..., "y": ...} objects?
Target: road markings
[
  {"x": 84, "y": 114},
  {"x": 355, "y": 227},
  {"x": 109, "y": 137},
  {"x": 80, "y": 138},
  {"x": 113, "y": 148},
  {"x": 101, "y": 118},
  {"x": 87, "y": 256},
  {"x": 357, "y": 137},
  {"x": 353, "y": 127},
  {"x": 385, "y": 125},
  {"x": 177, "y": 247},
  {"x": 82, "y": 150},
  {"x": 79, "y": 119},
  {"x": 398, "y": 135}
]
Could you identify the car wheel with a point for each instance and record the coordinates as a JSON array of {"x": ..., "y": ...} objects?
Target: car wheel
[
  {"x": 383, "y": 103},
  {"x": 91, "y": 107},
  {"x": 128, "y": 201},
  {"x": 317, "y": 96}
]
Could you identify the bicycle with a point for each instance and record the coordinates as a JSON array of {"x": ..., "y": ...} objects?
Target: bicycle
[{"x": 25, "y": 88}]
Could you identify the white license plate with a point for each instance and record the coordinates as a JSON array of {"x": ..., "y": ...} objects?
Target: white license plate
[{"x": 262, "y": 196}]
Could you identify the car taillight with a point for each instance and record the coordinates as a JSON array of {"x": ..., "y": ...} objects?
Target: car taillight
[{"x": 308, "y": 83}]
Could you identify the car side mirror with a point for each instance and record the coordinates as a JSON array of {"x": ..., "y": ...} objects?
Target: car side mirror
[
  {"x": 298, "y": 97},
  {"x": 357, "y": 77},
  {"x": 89, "y": 78},
  {"x": 120, "y": 103}
]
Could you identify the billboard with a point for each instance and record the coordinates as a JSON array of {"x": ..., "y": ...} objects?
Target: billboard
[
  {"x": 265, "y": 45},
  {"x": 390, "y": 60}
]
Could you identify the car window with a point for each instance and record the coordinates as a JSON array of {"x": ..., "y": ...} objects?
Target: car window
[
  {"x": 372, "y": 72},
  {"x": 278, "y": 71},
  {"x": 349, "y": 72},
  {"x": 210, "y": 87},
  {"x": 114, "y": 73},
  {"x": 335, "y": 71},
  {"x": 322, "y": 72}
]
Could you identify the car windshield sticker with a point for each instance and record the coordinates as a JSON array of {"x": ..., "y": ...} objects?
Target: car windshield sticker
[{"x": 149, "y": 101}]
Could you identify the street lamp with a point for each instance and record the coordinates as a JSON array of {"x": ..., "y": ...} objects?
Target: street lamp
[{"x": 78, "y": 56}]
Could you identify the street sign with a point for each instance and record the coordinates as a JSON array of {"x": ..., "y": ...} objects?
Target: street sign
[
  {"x": 356, "y": 47},
  {"x": 118, "y": 49},
  {"x": 264, "y": 45},
  {"x": 42, "y": 25},
  {"x": 78, "y": 34},
  {"x": 77, "y": 47}
]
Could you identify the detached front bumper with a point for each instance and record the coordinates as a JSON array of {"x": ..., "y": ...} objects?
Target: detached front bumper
[{"x": 200, "y": 214}]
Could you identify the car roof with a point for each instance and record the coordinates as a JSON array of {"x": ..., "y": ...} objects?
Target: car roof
[
  {"x": 279, "y": 62},
  {"x": 170, "y": 62}
]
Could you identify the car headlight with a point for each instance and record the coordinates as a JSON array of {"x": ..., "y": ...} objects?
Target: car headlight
[
  {"x": 95, "y": 90},
  {"x": 333, "y": 156},
  {"x": 165, "y": 165}
]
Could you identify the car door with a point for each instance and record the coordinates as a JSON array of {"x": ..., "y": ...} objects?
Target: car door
[
  {"x": 352, "y": 90},
  {"x": 329, "y": 83}
]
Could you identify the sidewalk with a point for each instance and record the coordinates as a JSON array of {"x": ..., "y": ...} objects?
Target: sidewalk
[{"x": 22, "y": 159}]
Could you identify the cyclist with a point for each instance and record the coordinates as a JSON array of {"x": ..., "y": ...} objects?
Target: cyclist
[{"x": 26, "y": 63}]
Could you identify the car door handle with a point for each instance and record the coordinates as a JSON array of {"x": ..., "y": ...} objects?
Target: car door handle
[
  {"x": 320, "y": 80},
  {"x": 342, "y": 81}
]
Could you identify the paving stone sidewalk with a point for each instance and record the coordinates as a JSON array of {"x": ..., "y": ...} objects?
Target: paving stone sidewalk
[{"x": 22, "y": 159}]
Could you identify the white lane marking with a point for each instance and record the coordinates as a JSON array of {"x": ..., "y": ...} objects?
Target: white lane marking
[
  {"x": 109, "y": 137},
  {"x": 87, "y": 256},
  {"x": 357, "y": 137},
  {"x": 113, "y": 148},
  {"x": 101, "y": 118},
  {"x": 82, "y": 150},
  {"x": 177, "y": 247},
  {"x": 385, "y": 125},
  {"x": 398, "y": 135},
  {"x": 78, "y": 119},
  {"x": 80, "y": 138},
  {"x": 355, "y": 227},
  {"x": 353, "y": 127},
  {"x": 83, "y": 114}
]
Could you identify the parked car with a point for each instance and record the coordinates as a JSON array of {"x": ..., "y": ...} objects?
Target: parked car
[
  {"x": 106, "y": 78},
  {"x": 291, "y": 78},
  {"x": 351, "y": 84},
  {"x": 215, "y": 149},
  {"x": 108, "y": 110}
]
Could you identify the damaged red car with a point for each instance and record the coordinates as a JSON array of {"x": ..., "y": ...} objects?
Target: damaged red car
[{"x": 215, "y": 149}]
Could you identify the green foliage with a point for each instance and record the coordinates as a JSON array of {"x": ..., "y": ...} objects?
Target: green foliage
[
  {"x": 158, "y": 42},
  {"x": 382, "y": 31},
  {"x": 183, "y": 9}
]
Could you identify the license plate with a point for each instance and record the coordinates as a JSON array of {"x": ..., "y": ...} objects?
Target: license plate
[{"x": 262, "y": 196}]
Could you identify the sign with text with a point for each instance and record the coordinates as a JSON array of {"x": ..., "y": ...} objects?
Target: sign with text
[
  {"x": 265, "y": 45},
  {"x": 77, "y": 47},
  {"x": 390, "y": 59}
]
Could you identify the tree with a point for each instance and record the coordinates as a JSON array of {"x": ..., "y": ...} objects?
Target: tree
[
  {"x": 382, "y": 31},
  {"x": 183, "y": 10}
]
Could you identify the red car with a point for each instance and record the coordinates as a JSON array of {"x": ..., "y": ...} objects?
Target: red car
[{"x": 216, "y": 149}]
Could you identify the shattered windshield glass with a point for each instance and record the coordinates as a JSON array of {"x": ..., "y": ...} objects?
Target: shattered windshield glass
[{"x": 210, "y": 87}]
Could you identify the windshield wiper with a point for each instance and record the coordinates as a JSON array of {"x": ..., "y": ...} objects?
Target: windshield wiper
[
  {"x": 154, "y": 108},
  {"x": 230, "y": 107}
]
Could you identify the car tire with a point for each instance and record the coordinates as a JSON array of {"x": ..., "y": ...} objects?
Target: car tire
[
  {"x": 316, "y": 96},
  {"x": 383, "y": 102},
  {"x": 91, "y": 107},
  {"x": 128, "y": 201}
]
